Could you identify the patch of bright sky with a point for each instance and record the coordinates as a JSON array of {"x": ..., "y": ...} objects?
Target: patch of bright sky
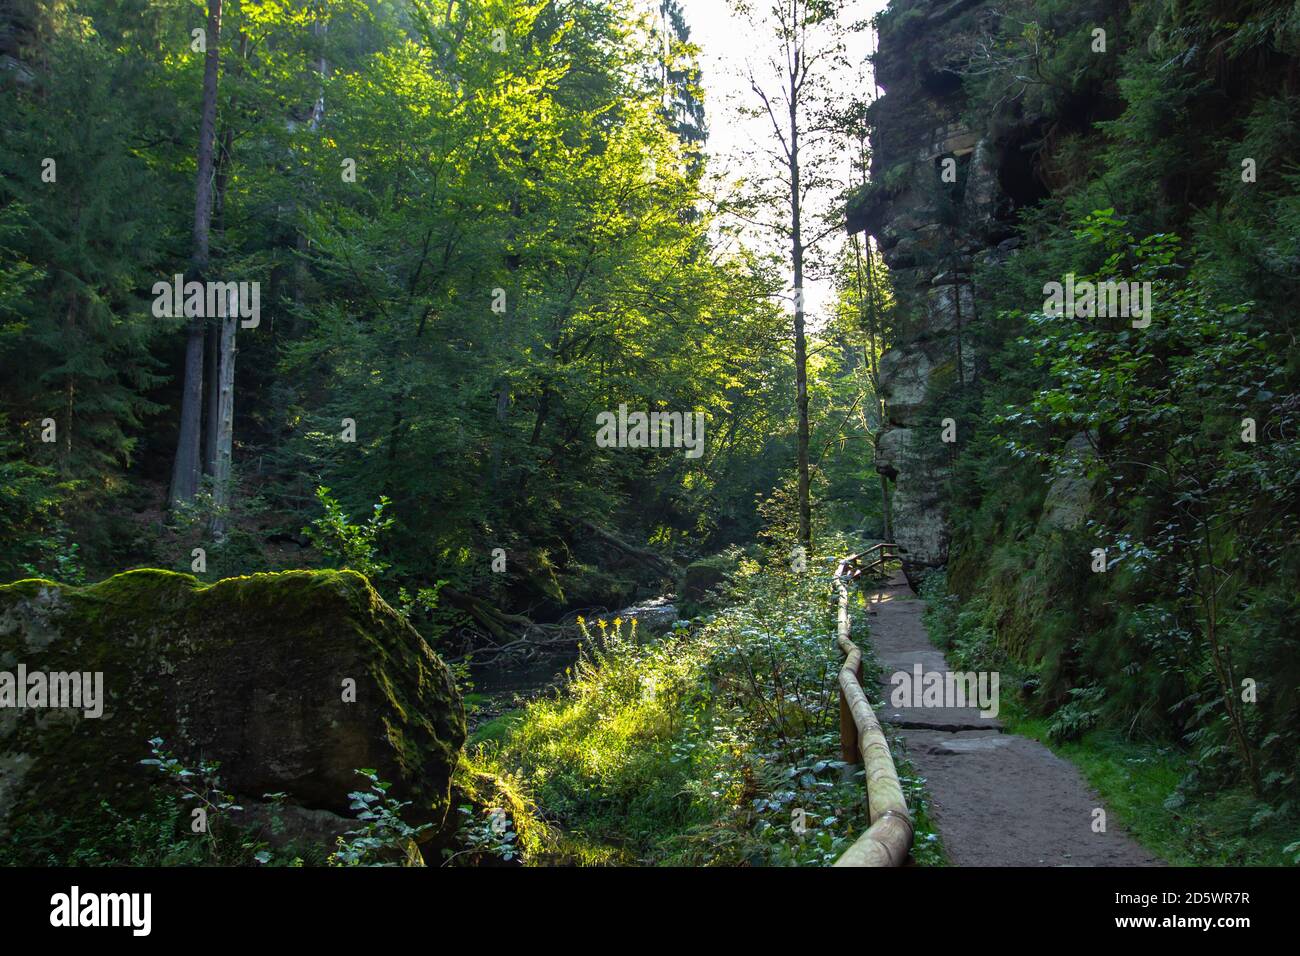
[{"x": 727, "y": 46}]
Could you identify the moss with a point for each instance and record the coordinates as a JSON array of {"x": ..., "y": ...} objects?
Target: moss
[
  {"x": 497, "y": 728},
  {"x": 249, "y": 671}
]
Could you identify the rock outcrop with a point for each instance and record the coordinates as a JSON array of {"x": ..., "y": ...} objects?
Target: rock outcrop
[
  {"x": 942, "y": 199},
  {"x": 290, "y": 681}
]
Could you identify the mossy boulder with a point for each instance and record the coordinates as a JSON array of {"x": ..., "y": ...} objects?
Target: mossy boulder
[
  {"x": 251, "y": 672},
  {"x": 701, "y": 579}
]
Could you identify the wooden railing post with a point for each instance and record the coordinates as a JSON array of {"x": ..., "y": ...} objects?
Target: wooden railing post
[
  {"x": 888, "y": 840},
  {"x": 848, "y": 732}
]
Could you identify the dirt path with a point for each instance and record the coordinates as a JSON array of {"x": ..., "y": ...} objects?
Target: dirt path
[{"x": 997, "y": 799}]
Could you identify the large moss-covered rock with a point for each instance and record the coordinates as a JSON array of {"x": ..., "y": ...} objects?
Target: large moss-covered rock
[
  {"x": 701, "y": 579},
  {"x": 1070, "y": 494},
  {"x": 253, "y": 672}
]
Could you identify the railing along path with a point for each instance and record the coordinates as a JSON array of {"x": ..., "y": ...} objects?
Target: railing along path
[{"x": 889, "y": 838}]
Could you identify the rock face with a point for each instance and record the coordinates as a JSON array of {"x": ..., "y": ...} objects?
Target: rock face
[
  {"x": 934, "y": 205},
  {"x": 252, "y": 672},
  {"x": 1069, "y": 494}
]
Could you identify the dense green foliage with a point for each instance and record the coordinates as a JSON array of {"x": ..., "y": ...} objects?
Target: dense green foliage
[
  {"x": 474, "y": 227},
  {"x": 477, "y": 226},
  {"x": 1190, "y": 634}
]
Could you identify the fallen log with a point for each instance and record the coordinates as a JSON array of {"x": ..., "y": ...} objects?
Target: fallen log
[
  {"x": 500, "y": 624},
  {"x": 644, "y": 556}
]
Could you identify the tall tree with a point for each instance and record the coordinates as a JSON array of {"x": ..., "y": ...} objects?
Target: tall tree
[
  {"x": 793, "y": 87},
  {"x": 186, "y": 465},
  {"x": 679, "y": 76}
]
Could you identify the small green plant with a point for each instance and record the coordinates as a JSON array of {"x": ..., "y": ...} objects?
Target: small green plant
[
  {"x": 384, "y": 838},
  {"x": 493, "y": 835},
  {"x": 210, "y": 806},
  {"x": 1078, "y": 716},
  {"x": 354, "y": 546},
  {"x": 424, "y": 599}
]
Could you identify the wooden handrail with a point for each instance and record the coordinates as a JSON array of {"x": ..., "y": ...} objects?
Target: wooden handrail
[
  {"x": 889, "y": 838},
  {"x": 852, "y": 558},
  {"x": 879, "y": 563}
]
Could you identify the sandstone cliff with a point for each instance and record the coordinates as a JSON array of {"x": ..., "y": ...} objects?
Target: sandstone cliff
[{"x": 948, "y": 180}]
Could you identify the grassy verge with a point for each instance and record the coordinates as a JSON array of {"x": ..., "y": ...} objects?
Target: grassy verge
[
  {"x": 715, "y": 745},
  {"x": 1143, "y": 783}
]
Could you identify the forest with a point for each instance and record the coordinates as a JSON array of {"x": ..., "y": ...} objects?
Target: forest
[{"x": 438, "y": 432}]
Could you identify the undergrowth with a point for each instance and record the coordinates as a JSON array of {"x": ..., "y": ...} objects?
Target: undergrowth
[{"x": 717, "y": 744}]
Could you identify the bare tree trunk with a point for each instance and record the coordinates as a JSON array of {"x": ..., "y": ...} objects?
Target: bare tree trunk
[
  {"x": 792, "y": 20},
  {"x": 212, "y": 389},
  {"x": 503, "y": 412},
  {"x": 512, "y": 262},
  {"x": 221, "y": 177},
  {"x": 319, "y": 28},
  {"x": 873, "y": 318},
  {"x": 223, "y": 421},
  {"x": 185, "y": 467},
  {"x": 800, "y": 343},
  {"x": 70, "y": 390},
  {"x": 1208, "y": 583}
]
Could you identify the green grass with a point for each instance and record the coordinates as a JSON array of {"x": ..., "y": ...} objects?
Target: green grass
[
  {"x": 716, "y": 745},
  {"x": 496, "y": 729}
]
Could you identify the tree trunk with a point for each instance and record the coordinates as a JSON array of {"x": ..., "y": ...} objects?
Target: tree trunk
[
  {"x": 499, "y": 624},
  {"x": 70, "y": 390},
  {"x": 653, "y": 561},
  {"x": 221, "y": 178},
  {"x": 1208, "y": 583},
  {"x": 512, "y": 263},
  {"x": 875, "y": 338},
  {"x": 224, "y": 421},
  {"x": 800, "y": 343},
  {"x": 185, "y": 467},
  {"x": 212, "y": 390},
  {"x": 317, "y": 114},
  {"x": 503, "y": 411}
]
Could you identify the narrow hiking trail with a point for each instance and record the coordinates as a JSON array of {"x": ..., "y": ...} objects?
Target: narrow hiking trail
[{"x": 997, "y": 799}]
